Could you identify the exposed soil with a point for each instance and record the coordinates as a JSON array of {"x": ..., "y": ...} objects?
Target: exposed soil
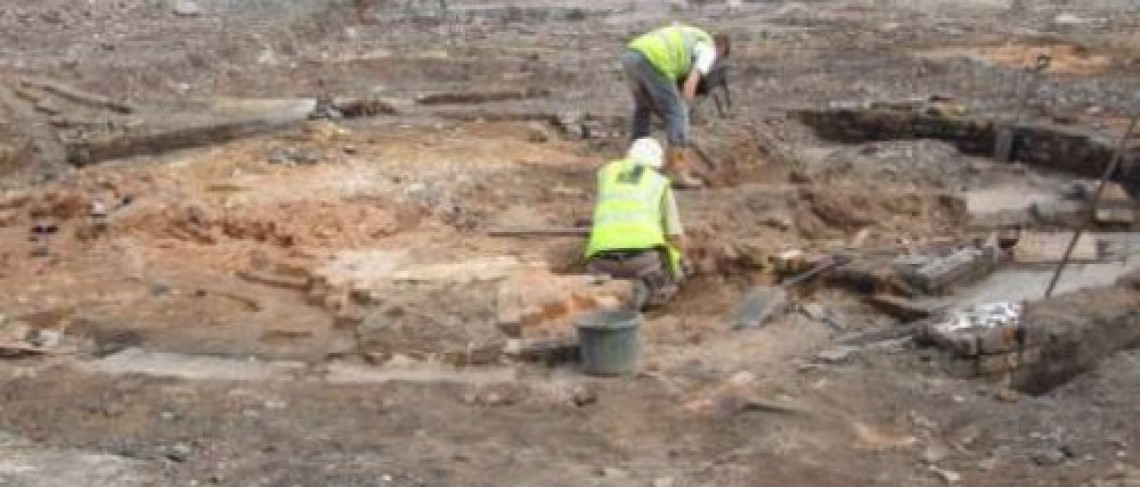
[{"x": 314, "y": 302}]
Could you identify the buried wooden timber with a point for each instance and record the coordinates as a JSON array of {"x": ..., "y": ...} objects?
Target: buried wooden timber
[
  {"x": 78, "y": 96},
  {"x": 86, "y": 152},
  {"x": 547, "y": 231},
  {"x": 82, "y": 152},
  {"x": 475, "y": 97},
  {"x": 1070, "y": 149},
  {"x": 498, "y": 116}
]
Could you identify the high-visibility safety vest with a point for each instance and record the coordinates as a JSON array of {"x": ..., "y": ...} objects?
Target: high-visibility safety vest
[
  {"x": 670, "y": 49},
  {"x": 627, "y": 214}
]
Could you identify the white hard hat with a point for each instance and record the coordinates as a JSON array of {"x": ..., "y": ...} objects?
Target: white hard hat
[{"x": 648, "y": 152}]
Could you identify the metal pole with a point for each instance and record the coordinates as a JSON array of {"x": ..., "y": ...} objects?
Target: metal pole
[{"x": 1116, "y": 159}]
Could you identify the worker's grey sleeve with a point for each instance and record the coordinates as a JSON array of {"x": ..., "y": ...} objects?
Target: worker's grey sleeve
[{"x": 670, "y": 215}]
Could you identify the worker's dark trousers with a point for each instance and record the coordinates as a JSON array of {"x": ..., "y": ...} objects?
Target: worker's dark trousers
[
  {"x": 653, "y": 93},
  {"x": 651, "y": 267}
]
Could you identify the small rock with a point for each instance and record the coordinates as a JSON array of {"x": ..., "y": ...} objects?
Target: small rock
[
  {"x": 1048, "y": 457},
  {"x": 178, "y": 453},
  {"x": 537, "y": 132},
  {"x": 742, "y": 378},
  {"x": 1007, "y": 395},
  {"x": 308, "y": 156},
  {"x": 1066, "y": 18},
  {"x": 988, "y": 464},
  {"x": 160, "y": 289},
  {"x": 836, "y": 355},
  {"x": 280, "y": 156},
  {"x": 799, "y": 177},
  {"x": 583, "y": 396},
  {"x": 935, "y": 452},
  {"x": 401, "y": 361},
  {"x": 187, "y": 8},
  {"x": 614, "y": 473},
  {"x": 45, "y": 338},
  {"x": 665, "y": 482},
  {"x": 948, "y": 476}
]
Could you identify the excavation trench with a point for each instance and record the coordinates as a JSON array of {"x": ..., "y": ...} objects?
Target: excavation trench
[
  {"x": 1108, "y": 322},
  {"x": 1069, "y": 149}
]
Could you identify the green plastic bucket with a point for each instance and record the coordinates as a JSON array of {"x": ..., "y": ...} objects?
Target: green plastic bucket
[{"x": 608, "y": 342}]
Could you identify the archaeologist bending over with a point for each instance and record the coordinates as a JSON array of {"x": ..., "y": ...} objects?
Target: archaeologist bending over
[
  {"x": 655, "y": 64},
  {"x": 637, "y": 230}
]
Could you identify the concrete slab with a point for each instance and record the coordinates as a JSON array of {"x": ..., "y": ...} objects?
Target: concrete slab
[
  {"x": 1004, "y": 205},
  {"x": 193, "y": 367},
  {"x": 478, "y": 269},
  {"x": 201, "y": 367},
  {"x": 424, "y": 373},
  {"x": 375, "y": 268},
  {"x": 1017, "y": 284}
]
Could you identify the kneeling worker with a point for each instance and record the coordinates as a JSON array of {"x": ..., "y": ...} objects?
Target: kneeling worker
[{"x": 637, "y": 230}]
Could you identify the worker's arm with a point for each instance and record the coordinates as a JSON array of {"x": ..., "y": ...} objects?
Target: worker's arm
[
  {"x": 689, "y": 89},
  {"x": 674, "y": 232},
  {"x": 704, "y": 56}
]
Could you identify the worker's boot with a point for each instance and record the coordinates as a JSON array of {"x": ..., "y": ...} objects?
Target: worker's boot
[{"x": 678, "y": 170}]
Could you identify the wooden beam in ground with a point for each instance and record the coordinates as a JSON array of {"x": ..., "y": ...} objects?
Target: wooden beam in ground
[
  {"x": 79, "y": 96},
  {"x": 533, "y": 232},
  {"x": 472, "y": 97}
]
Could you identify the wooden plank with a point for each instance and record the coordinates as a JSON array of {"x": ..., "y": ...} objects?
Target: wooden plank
[
  {"x": 475, "y": 97},
  {"x": 535, "y": 232},
  {"x": 78, "y": 96}
]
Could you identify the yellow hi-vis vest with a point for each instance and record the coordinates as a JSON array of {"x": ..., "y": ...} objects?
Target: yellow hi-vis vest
[
  {"x": 627, "y": 214},
  {"x": 671, "y": 49}
]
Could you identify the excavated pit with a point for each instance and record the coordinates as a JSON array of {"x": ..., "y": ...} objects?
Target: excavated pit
[
  {"x": 1049, "y": 147},
  {"x": 1076, "y": 345}
]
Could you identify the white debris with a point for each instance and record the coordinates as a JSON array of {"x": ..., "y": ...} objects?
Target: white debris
[{"x": 985, "y": 316}]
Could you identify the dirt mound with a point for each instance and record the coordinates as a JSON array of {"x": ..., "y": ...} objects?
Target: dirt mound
[
  {"x": 735, "y": 153},
  {"x": 922, "y": 163}
]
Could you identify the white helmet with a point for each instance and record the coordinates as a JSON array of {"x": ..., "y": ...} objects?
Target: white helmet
[{"x": 647, "y": 152}]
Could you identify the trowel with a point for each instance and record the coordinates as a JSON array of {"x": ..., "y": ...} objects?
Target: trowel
[{"x": 1003, "y": 146}]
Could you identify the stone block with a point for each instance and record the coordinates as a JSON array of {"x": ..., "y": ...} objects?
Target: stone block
[
  {"x": 758, "y": 306},
  {"x": 1061, "y": 213},
  {"x": 1049, "y": 247},
  {"x": 901, "y": 308},
  {"x": 541, "y": 305},
  {"x": 1115, "y": 214},
  {"x": 992, "y": 328},
  {"x": 938, "y": 274}
]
